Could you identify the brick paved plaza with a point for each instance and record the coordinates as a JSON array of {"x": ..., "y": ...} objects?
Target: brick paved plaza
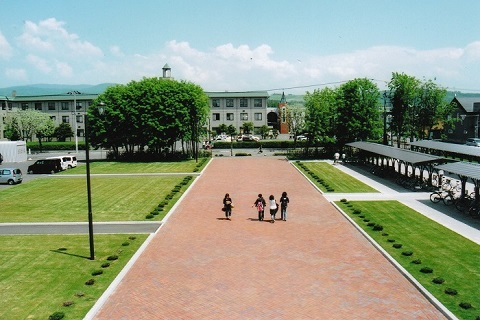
[{"x": 316, "y": 265}]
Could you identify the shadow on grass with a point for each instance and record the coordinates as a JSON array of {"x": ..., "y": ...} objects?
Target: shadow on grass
[{"x": 70, "y": 254}]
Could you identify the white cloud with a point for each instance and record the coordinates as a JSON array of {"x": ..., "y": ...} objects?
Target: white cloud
[
  {"x": 5, "y": 48},
  {"x": 16, "y": 74},
  {"x": 39, "y": 63}
]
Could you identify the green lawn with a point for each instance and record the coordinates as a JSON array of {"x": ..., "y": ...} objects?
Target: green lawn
[
  {"x": 451, "y": 256},
  {"x": 330, "y": 179},
  {"x": 109, "y": 167},
  {"x": 37, "y": 278},
  {"x": 118, "y": 198}
]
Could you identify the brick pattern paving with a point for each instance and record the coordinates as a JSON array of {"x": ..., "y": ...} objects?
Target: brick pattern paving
[{"x": 316, "y": 265}]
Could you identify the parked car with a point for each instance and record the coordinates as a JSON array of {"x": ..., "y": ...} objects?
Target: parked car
[
  {"x": 302, "y": 138},
  {"x": 67, "y": 162},
  {"x": 473, "y": 142},
  {"x": 11, "y": 175},
  {"x": 248, "y": 137},
  {"x": 45, "y": 166}
]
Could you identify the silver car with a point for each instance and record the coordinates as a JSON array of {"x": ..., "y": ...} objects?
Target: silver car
[
  {"x": 473, "y": 142},
  {"x": 11, "y": 175}
]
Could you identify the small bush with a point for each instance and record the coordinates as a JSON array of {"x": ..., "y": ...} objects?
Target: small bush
[
  {"x": 67, "y": 303},
  {"x": 357, "y": 211},
  {"x": 149, "y": 216},
  {"x": 56, "y": 316},
  {"x": 126, "y": 243},
  {"x": 361, "y": 216},
  {"x": 343, "y": 200},
  {"x": 407, "y": 253},
  {"x": 391, "y": 240},
  {"x": 105, "y": 265},
  {"x": 97, "y": 272},
  {"x": 417, "y": 261},
  {"x": 80, "y": 294},
  {"x": 378, "y": 227},
  {"x": 426, "y": 270},
  {"x": 371, "y": 224},
  {"x": 438, "y": 280},
  {"x": 90, "y": 282},
  {"x": 385, "y": 234},
  {"x": 62, "y": 249},
  {"x": 451, "y": 292},
  {"x": 113, "y": 257},
  {"x": 465, "y": 305},
  {"x": 397, "y": 245},
  {"x": 132, "y": 238},
  {"x": 366, "y": 220}
]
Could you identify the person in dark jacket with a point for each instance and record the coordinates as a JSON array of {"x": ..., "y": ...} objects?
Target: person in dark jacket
[
  {"x": 227, "y": 206},
  {"x": 260, "y": 204},
  {"x": 283, "y": 205}
]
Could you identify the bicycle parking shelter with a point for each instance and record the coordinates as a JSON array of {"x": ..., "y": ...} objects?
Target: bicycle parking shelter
[
  {"x": 390, "y": 157},
  {"x": 464, "y": 171}
]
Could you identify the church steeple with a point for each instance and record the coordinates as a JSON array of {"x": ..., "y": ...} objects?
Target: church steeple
[{"x": 167, "y": 71}]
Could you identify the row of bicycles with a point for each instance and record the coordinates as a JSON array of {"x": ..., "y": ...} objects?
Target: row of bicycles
[{"x": 450, "y": 194}]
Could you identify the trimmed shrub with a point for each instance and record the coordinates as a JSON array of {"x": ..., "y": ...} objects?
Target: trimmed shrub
[
  {"x": 126, "y": 243},
  {"x": 371, "y": 224},
  {"x": 79, "y": 294},
  {"x": 407, "y": 253},
  {"x": 378, "y": 227},
  {"x": 385, "y": 234},
  {"x": 97, "y": 272},
  {"x": 132, "y": 238},
  {"x": 438, "y": 280},
  {"x": 149, "y": 216},
  {"x": 343, "y": 200},
  {"x": 56, "y": 316},
  {"x": 105, "y": 265},
  {"x": 366, "y": 220},
  {"x": 357, "y": 211},
  {"x": 451, "y": 292},
  {"x": 465, "y": 305},
  {"x": 112, "y": 258},
  {"x": 67, "y": 303},
  {"x": 391, "y": 240},
  {"x": 90, "y": 282},
  {"x": 426, "y": 270},
  {"x": 397, "y": 245},
  {"x": 417, "y": 261}
]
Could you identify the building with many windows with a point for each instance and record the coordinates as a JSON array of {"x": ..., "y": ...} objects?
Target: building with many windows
[{"x": 236, "y": 108}]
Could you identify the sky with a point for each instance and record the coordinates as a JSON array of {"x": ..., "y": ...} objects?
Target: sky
[{"x": 244, "y": 45}]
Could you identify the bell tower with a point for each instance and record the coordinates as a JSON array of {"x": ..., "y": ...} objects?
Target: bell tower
[
  {"x": 282, "y": 112},
  {"x": 167, "y": 71}
]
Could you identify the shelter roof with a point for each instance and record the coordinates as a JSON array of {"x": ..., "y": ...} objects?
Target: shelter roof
[
  {"x": 395, "y": 153},
  {"x": 448, "y": 147},
  {"x": 462, "y": 169}
]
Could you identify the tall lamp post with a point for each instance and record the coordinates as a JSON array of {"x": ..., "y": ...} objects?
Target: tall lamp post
[
  {"x": 385, "y": 140},
  {"x": 101, "y": 106},
  {"x": 74, "y": 113}
]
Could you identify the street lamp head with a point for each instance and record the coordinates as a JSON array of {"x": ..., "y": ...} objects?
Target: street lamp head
[{"x": 101, "y": 107}]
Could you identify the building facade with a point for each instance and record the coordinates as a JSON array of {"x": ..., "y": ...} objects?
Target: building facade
[
  {"x": 467, "y": 115},
  {"x": 236, "y": 108}
]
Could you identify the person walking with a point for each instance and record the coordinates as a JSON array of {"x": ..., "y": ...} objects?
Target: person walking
[
  {"x": 283, "y": 205},
  {"x": 227, "y": 206},
  {"x": 260, "y": 204},
  {"x": 273, "y": 207}
]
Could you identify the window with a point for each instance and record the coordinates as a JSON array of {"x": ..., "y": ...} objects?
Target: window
[
  {"x": 243, "y": 103},
  {"x": 216, "y": 117},
  {"x": 64, "y": 105},
  {"x": 216, "y": 103},
  {"x": 38, "y": 106},
  {"x": 229, "y": 103},
  {"x": 24, "y": 106},
  {"x": 65, "y": 119},
  {"x": 257, "y": 103},
  {"x": 79, "y": 105},
  {"x": 258, "y": 117},
  {"x": 230, "y": 116},
  {"x": 79, "y": 118},
  {"x": 53, "y": 118},
  {"x": 284, "y": 114},
  {"x": 244, "y": 116},
  {"x": 51, "y": 106}
]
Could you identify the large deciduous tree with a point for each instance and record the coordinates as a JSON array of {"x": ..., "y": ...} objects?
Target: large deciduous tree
[
  {"x": 151, "y": 114},
  {"x": 25, "y": 123},
  {"x": 320, "y": 108}
]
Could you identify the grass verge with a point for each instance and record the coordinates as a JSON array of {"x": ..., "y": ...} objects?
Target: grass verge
[
  {"x": 330, "y": 179},
  {"x": 425, "y": 246},
  {"x": 119, "y": 198},
  {"x": 42, "y": 273}
]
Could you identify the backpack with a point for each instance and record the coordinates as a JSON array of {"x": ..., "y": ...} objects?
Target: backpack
[{"x": 259, "y": 205}]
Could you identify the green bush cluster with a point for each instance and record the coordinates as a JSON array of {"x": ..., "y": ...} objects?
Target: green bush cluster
[
  {"x": 199, "y": 165},
  {"x": 315, "y": 177},
  {"x": 161, "y": 206},
  {"x": 408, "y": 253}
]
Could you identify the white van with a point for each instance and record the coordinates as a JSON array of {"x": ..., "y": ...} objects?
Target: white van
[{"x": 67, "y": 162}]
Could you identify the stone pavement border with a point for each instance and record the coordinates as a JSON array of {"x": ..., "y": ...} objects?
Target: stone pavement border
[{"x": 316, "y": 265}]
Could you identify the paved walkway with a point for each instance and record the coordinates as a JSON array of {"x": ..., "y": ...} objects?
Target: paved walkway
[{"x": 314, "y": 266}]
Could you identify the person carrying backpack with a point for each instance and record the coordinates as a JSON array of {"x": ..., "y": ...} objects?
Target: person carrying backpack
[
  {"x": 283, "y": 205},
  {"x": 260, "y": 204}
]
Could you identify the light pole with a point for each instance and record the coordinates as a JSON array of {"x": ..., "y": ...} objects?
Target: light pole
[
  {"x": 89, "y": 193},
  {"x": 74, "y": 113}
]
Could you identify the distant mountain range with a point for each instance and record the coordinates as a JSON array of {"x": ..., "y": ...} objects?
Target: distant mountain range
[{"x": 49, "y": 89}]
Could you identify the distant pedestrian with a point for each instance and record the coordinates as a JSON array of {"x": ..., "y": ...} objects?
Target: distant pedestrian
[
  {"x": 283, "y": 205},
  {"x": 343, "y": 157},
  {"x": 336, "y": 156},
  {"x": 260, "y": 204},
  {"x": 273, "y": 207},
  {"x": 227, "y": 206}
]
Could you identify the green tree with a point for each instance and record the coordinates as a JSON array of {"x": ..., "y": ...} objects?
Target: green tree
[
  {"x": 403, "y": 95},
  {"x": 320, "y": 108},
  {"x": 264, "y": 130},
  {"x": 231, "y": 131},
  {"x": 26, "y": 123},
  {"x": 151, "y": 114},
  {"x": 296, "y": 119},
  {"x": 45, "y": 130},
  {"x": 63, "y": 131},
  {"x": 247, "y": 127},
  {"x": 357, "y": 116}
]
